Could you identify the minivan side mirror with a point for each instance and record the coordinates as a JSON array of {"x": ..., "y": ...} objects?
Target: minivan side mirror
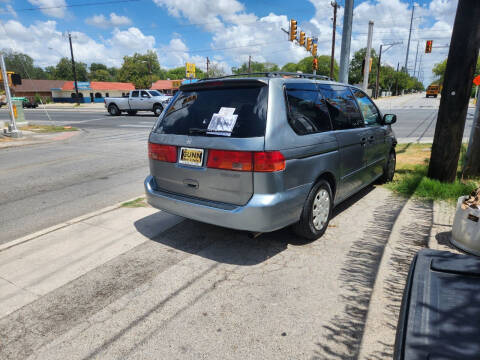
[{"x": 389, "y": 119}]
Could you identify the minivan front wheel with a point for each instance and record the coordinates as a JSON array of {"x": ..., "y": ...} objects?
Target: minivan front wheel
[
  {"x": 389, "y": 168},
  {"x": 316, "y": 212}
]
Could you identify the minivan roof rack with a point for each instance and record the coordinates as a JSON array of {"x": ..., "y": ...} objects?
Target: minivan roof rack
[{"x": 274, "y": 74}]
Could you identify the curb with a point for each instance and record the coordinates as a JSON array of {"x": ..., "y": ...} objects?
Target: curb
[
  {"x": 53, "y": 228},
  {"x": 61, "y": 136}
]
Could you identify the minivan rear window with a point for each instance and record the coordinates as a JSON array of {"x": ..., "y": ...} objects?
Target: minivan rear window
[{"x": 191, "y": 111}]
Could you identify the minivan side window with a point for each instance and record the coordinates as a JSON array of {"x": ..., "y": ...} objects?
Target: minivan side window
[
  {"x": 342, "y": 107},
  {"x": 135, "y": 93},
  {"x": 371, "y": 115},
  {"x": 307, "y": 112}
]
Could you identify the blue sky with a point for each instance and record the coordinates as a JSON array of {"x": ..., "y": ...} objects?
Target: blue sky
[{"x": 227, "y": 31}]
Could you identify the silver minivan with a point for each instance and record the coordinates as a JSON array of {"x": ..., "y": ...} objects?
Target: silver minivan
[{"x": 264, "y": 152}]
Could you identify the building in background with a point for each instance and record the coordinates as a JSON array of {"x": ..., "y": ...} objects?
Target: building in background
[
  {"x": 32, "y": 89},
  {"x": 167, "y": 87},
  {"x": 90, "y": 91}
]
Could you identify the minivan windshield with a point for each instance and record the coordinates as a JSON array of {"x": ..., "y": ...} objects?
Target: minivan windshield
[{"x": 192, "y": 111}]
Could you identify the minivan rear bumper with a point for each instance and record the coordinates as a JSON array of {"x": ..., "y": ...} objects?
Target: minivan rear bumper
[{"x": 262, "y": 213}]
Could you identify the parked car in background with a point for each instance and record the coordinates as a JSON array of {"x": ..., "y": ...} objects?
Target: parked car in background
[
  {"x": 137, "y": 100},
  {"x": 262, "y": 153},
  {"x": 26, "y": 103},
  {"x": 433, "y": 90}
]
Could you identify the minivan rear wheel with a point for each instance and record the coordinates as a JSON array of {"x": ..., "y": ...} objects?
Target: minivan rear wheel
[{"x": 316, "y": 212}]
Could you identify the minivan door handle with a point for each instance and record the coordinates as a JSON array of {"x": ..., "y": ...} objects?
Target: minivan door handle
[
  {"x": 371, "y": 139},
  {"x": 363, "y": 141},
  {"x": 191, "y": 183}
]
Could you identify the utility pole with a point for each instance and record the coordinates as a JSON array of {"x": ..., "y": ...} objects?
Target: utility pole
[
  {"x": 416, "y": 56},
  {"x": 208, "y": 63},
  {"x": 366, "y": 68},
  {"x": 377, "y": 82},
  {"x": 457, "y": 85},
  {"x": 396, "y": 79},
  {"x": 12, "y": 129},
  {"x": 332, "y": 59},
  {"x": 249, "y": 64},
  {"x": 346, "y": 41},
  {"x": 409, "y": 36},
  {"x": 472, "y": 158},
  {"x": 378, "y": 71},
  {"x": 73, "y": 69}
]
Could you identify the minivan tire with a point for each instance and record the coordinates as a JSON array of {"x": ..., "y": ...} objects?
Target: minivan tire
[
  {"x": 389, "y": 168},
  {"x": 113, "y": 110},
  {"x": 306, "y": 227}
]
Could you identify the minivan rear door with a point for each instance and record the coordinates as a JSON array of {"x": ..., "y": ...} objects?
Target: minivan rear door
[
  {"x": 352, "y": 137},
  {"x": 186, "y": 125}
]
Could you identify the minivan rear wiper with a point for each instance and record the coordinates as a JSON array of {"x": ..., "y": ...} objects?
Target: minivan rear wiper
[{"x": 197, "y": 131}]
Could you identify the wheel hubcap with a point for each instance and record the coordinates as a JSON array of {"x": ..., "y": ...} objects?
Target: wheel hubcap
[{"x": 321, "y": 209}]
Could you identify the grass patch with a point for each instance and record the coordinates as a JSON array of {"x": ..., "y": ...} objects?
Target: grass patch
[
  {"x": 411, "y": 176},
  {"x": 140, "y": 202},
  {"x": 48, "y": 128}
]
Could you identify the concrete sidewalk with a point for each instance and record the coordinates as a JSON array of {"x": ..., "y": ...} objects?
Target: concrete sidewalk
[
  {"x": 32, "y": 138},
  {"x": 139, "y": 283}
]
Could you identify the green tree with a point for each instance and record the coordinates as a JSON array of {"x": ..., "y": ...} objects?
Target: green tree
[
  {"x": 22, "y": 64},
  {"x": 179, "y": 73},
  {"x": 63, "y": 70},
  {"x": 355, "y": 75},
  {"x": 100, "y": 75},
  {"x": 289, "y": 67},
  {"x": 140, "y": 69},
  {"x": 306, "y": 66},
  {"x": 256, "y": 67},
  {"x": 215, "y": 71},
  {"x": 97, "y": 66}
]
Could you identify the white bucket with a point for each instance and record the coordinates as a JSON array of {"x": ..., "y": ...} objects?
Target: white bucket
[{"x": 466, "y": 228}]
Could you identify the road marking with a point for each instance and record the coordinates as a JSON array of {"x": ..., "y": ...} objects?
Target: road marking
[{"x": 137, "y": 126}]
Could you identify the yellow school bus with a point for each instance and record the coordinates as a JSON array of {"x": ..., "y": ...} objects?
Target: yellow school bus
[{"x": 433, "y": 90}]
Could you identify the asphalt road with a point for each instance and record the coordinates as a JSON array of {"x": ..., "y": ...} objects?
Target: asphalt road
[{"x": 44, "y": 185}]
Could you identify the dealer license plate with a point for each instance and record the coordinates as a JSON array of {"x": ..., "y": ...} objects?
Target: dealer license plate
[{"x": 189, "y": 156}]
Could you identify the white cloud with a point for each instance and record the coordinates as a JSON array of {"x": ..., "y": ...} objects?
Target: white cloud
[
  {"x": 55, "y": 8},
  {"x": 46, "y": 45},
  {"x": 9, "y": 10},
  {"x": 114, "y": 21}
]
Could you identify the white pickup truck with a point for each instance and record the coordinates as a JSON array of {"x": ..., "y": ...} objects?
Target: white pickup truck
[{"x": 137, "y": 100}]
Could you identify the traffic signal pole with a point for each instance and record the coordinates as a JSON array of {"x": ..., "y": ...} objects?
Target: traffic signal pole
[
  {"x": 332, "y": 58},
  {"x": 12, "y": 129},
  {"x": 461, "y": 62}
]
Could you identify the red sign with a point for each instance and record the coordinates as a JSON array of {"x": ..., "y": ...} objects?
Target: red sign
[{"x": 476, "y": 81}]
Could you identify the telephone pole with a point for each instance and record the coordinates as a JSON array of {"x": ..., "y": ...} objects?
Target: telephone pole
[
  {"x": 366, "y": 68},
  {"x": 346, "y": 41},
  {"x": 457, "y": 85},
  {"x": 249, "y": 64},
  {"x": 332, "y": 59},
  {"x": 416, "y": 56},
  {"x": 73, "y": 69},
  {"x": 208, "y": 63},
  {"x": 409, "y": 36}
]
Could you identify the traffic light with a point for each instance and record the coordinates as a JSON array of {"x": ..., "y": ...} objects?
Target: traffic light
[
  {"x": 293, "y": 30},
  {"x": 428, "y": 46},
  {"x": 13, "y": 79},
  {"x": 309, "y": 44},
  {"x": 301, "y": 41},
  {"x": 315, "y": 64},
  {"x": 314, "y": 50}
]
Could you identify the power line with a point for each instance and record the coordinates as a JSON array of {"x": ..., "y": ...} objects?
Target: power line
[{"x": 76, "y": 5}]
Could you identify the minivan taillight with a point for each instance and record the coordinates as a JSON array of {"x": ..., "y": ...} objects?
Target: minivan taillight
[
  {"x": 166, "y": 153},
  {"x": 268, "y": 161},
  {"x": 230, "y": 160}
]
